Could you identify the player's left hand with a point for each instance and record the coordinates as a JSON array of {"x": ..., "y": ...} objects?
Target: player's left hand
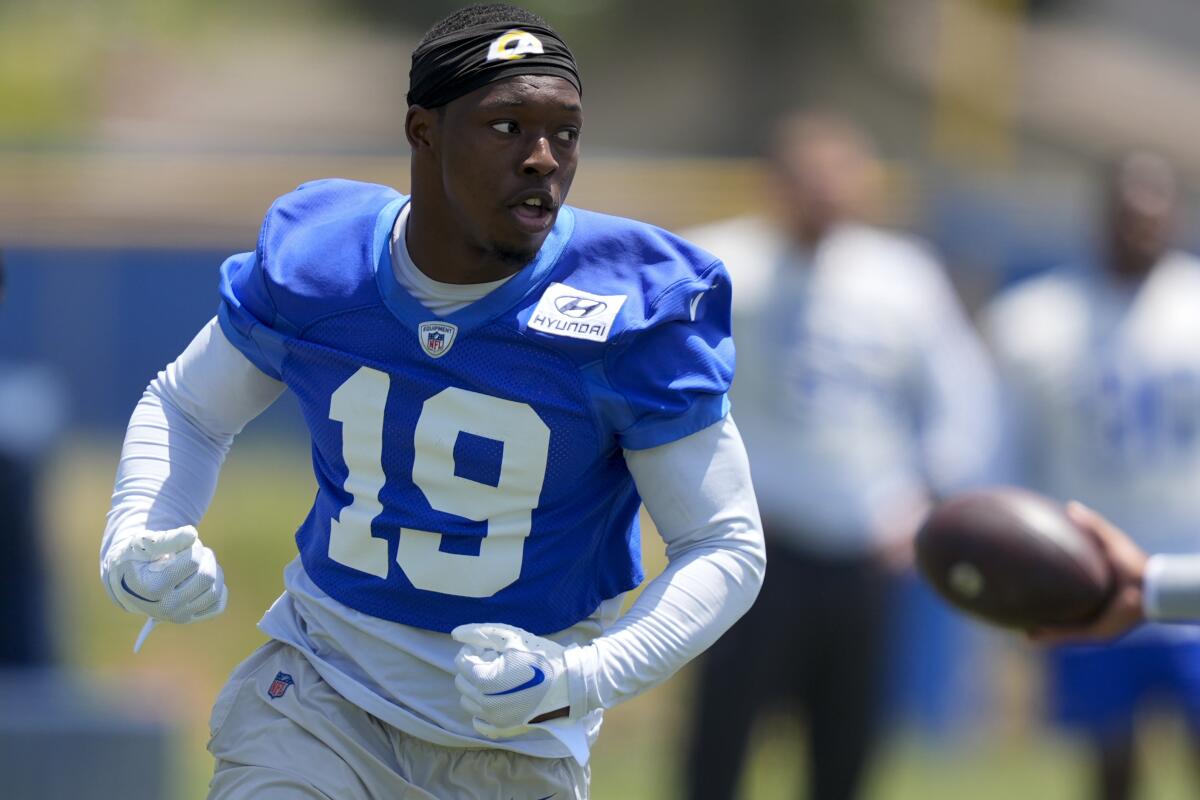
[
  {"x": 1128, "y": 563},
  {"x": 895, "y": 530},
  {"x": 508, "y": 678}
]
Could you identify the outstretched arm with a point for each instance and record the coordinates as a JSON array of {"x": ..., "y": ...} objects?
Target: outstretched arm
[{"x": 1160, "y": 588}]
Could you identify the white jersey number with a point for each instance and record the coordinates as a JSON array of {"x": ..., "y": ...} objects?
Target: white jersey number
[{"x": 507, "y": 507}]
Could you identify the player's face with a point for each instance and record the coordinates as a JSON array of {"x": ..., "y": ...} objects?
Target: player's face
[
  {"x": 508, "y": 156},
  {"x": 1142, "y": 207},
  {"x": 820, "y": 182}
]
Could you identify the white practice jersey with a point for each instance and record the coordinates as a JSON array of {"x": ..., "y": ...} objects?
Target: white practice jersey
[
  {"x": 1103, "y": 395},
  {"x": 861, "y": 385}
]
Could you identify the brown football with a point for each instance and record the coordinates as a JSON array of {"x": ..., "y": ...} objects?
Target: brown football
[{"x": 1013, "y": 558}]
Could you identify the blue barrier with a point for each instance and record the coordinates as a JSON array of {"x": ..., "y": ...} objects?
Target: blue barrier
[{"x": 107, "y": 320}]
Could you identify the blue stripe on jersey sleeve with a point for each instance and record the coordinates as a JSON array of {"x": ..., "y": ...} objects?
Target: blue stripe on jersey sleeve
[
  {"x": 262, "y": 346},
  {"x": 246, "y": 313},
  {"x": 670, "y": 379},
  {"x": 705, "y": 411}
]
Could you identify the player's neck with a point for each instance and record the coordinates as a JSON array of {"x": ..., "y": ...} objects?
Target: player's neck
[
  {"x": 444, "y": 253},
  {"x": 808, "y": 234},
  {"x": 1132, "y": 270}
]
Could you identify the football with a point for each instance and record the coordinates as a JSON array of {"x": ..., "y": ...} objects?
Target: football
[{"x": 1012, "y": 558}]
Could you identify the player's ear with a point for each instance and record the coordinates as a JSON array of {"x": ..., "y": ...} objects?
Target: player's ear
[{"x": 420, "y": 126}]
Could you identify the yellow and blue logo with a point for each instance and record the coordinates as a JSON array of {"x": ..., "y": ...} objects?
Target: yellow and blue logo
[{"x": 513, "y": 45}]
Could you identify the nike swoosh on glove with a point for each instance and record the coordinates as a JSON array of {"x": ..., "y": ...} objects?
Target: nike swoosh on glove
[
  {"x": 168, "y": 575},
  {"x": 508, "y": 677}
]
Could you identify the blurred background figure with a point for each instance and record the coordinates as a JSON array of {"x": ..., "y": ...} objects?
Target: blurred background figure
[
  {"x": 1101, "y": 365},
  {"x": 862, "y": 392},
  {"x": 31, "y": 417}
]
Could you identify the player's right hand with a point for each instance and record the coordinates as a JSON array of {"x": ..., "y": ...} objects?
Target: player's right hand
[
  {"x": 508, "y": 678},
  {"x": 1124, "y": 609},
  {"x": 168, "y": 575}
]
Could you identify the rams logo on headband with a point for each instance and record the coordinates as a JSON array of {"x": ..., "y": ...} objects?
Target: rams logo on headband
[{"x": 513, "y": 45}]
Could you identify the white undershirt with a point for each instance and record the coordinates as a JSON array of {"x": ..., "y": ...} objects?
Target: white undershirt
[
  {"x": 697, "y": 490},
  {"x": 440, "y": 298}
]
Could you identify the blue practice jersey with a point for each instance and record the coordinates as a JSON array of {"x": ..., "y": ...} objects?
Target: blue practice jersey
[{"x": 469, "y": 467}]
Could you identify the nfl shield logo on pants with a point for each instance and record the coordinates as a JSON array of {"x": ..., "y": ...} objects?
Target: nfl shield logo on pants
[
  {"x": 436, "y": 337},
  {"x": 280, "y": 685}
]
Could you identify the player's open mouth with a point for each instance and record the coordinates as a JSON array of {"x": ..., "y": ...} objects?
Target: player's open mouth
[{"x": 534, "y": 211}]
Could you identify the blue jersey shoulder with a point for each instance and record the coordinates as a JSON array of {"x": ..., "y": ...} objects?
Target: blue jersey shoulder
[
  {"x": 317, "y": 248},
  {"x": 646, "y": 315},
  {"x": 315, "y": 257},
  {"x": 658, "y": 273}
]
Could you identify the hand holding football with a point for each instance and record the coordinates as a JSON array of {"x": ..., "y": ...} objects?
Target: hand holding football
[{"x": 1014, "y": 559}]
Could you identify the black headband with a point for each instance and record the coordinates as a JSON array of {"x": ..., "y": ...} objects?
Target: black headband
[{"x": 458, "y": 63}]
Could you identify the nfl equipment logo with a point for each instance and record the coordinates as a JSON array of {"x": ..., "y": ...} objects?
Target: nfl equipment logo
[
  {"x": 280, "y": 685},
  {"x": 436, "y": 337}
]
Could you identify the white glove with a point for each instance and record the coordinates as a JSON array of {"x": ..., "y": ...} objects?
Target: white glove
[
  {"x": 168, "y": 575},
  {"x": 508, "y": 677}
]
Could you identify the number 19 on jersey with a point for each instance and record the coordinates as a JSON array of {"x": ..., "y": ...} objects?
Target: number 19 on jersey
[{"x": 506, "y": 507}]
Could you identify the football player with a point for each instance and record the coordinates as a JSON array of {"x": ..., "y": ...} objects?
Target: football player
[
  {"x": 493, "y": 382},
  {"x": 1102, "y": 370}
]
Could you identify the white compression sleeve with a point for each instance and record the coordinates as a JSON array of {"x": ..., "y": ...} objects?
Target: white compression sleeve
[
  {"x": 698, "y": 493},
  {"x": 1171, "y": 592},
  {"x": 179, "y": 434}
]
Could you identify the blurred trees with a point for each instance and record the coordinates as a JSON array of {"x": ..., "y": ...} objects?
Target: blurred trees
[{"x": 738, "y": 63}]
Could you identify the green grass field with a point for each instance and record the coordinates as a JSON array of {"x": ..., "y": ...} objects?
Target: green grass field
[{"x": 264, "y": 494}]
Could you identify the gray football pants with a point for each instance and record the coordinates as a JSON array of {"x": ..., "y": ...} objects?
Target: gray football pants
[{"x": 298, "y": 738}]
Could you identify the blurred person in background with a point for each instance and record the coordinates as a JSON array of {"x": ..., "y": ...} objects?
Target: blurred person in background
[
  {"x": 1101, "y": 369},
  {"x": 32, "y": 409},
  {"x": 864, "y": 392},
  {"x": 493, "y": 382}
]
